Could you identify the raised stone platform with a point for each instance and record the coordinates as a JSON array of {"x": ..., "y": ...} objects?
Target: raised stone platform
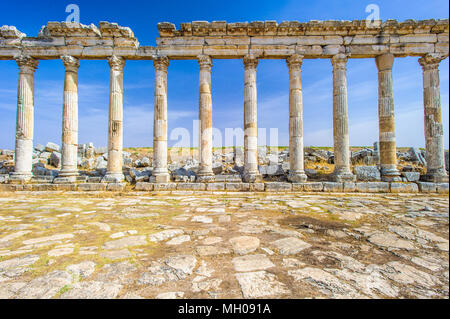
[{"x": 326, "y": 187}]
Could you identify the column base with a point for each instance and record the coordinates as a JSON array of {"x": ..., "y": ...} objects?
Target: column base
[
  {"x": 435, "y": 178},
  {"x": 19, "y": 177},
  {"x": 113, "y": 178},
  {"x": 251, "y": 177},
  {"x": 66, "y": 176},
  {"x": 205, "y": 177},
  {"x": 390, "y": 173},
  {"x": 160, "y": 178},
  {"x": 340, "y": 176},
  {"x": 297, "y": 177}
]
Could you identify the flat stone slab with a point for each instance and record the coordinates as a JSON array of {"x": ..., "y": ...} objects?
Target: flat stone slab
[
  {"x": 290, "y": 245},
  {"x": 244, "y": 244},
  {"x": 92, "y": 290},
  {"x": 388, "y": 240},
  {"x": 326, "y": 282},
  {"x": 252, "y": 263},
  {"x": 125, "y": 242},
  {"x": 206, "y": 250},
  {"x": 164, "y": 235},
  {"x": 179, "y": 240},
  {"x": 116, "y": 254},
  {"x": 47, "y": 239},
  {"x": 260, "y": 284}
]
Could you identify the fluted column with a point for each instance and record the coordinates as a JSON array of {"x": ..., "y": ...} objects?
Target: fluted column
[
  {"x": 25, "y": 119},
  {"x": 115, "y": 126},
  {"x": 434, "y": 134},
  {"x": 69, "y": 169},
  {"x": 205, "y": 116},
  {"x": 160, "y": 172},
  {"x": 386, "y": 121},
  {"x": 340, "y": 120},
  {"x": 251, "y": 173},
  {"x": 296, "y": 155}
]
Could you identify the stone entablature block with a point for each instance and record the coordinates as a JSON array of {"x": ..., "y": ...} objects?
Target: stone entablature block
[{"x": 219, "y": 39}]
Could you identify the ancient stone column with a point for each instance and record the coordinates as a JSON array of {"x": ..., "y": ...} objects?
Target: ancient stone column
[
  {"x": 342, "y": 170},
  {"x": 205, "y": 172},
  {"x": 434, "y": 134},
  {"x": 388, "y": 155},
  {"x": 160, "y": 172},
  {"x": 69, "y": 169},
  {"x": 25, "y": 119},
  {"x": 251, "y": 173},
  {"x": 296, "y": 155},
  {"x": 115, "y": 126}
]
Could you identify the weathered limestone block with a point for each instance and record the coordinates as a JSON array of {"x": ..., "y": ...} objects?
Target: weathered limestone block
[
  {"x": 237, "y": 187},
  {"x": 143, "y": 186},
  {"x": 442, "y": 188},
  {"x": 427, "y": 187},
  {"x": 333, "y": 187},
  {"x": 404, "y": 187},
  {"x": 278, "y": 187},
  {"x": 164, "y": 186},
  {"x": 372, "y": 187},
  {"x": 92, "y": 187},
  {"x": 191, "y": 186},
  {"x": 215, "y": 186}
]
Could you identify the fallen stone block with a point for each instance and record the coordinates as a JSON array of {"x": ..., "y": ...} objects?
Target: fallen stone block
[
  {"x": 367, "y": 173},
  {"x": 411, "y": 176}
]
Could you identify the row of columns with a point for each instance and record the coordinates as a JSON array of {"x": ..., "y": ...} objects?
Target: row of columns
[{"x": 388, "y": 160}]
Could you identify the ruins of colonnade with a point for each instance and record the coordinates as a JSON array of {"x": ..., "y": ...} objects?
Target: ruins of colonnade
[{"x": 428, "y": 40}]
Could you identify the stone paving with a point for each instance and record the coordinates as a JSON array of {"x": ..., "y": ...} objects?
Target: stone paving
[{"x": 225, "y": 245}]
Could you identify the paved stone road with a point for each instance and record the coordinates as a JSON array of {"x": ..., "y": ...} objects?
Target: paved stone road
[{"x": 235, "y": 245}]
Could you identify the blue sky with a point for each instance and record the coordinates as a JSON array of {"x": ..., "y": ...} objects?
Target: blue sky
[{"x": 227, "y": 76}]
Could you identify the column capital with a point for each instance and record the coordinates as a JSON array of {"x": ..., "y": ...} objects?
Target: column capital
[
  {"x": 384, "y": 61},
  {"x": 26, "y": 63},
  {"x": 250, "y": 61},
  {"x": 204, "y": 61},
  {"x": 70, "y": 63},
  {"x": 161, "y": 63},
  {"x": 294, "y": 60},
  {"x": 117, "y": 63},
  {"x": 339, "y": 61},
  {"x": 431, "y": 60}
]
